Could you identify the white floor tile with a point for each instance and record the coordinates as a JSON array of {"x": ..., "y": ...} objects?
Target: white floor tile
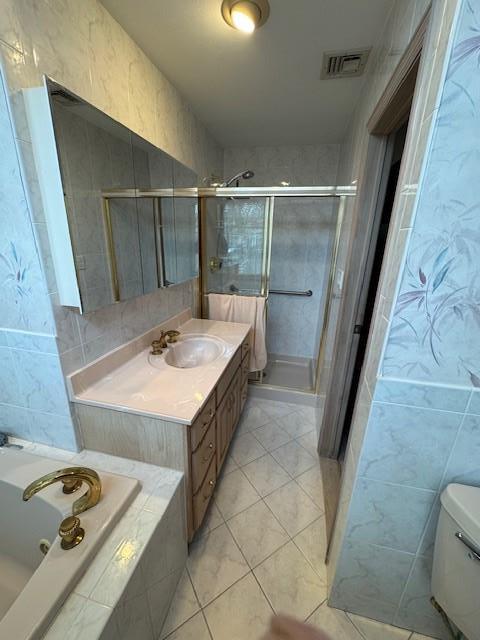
[
  {"x": 271, "y": 436},
  {"x": 213, "y": 519},
  {"x": 335, "y": 623},
  {"x": 195, "y": 629},
  {"x": 184, "y": 605},
  {"x": 311, "y": 482},
  {"x": 309, "y": 441},
  {"x": 294, "y": 458},
  {"x": 214, "y": 564},
  {"x": 310, "y": 413},
  {"x": 373, "y": 630},
  {"x": 274, "y": 408},
  {"x": 246, "y": 448},
  {"x": 266, "y": 474},
  {"x": 258, "y": 533},
  {"x": 229, "y": 465},
  {"x": 242, "y": 612},
  {"x": 293, "y": 508},
  {"x": 290, "y": 583},
  {"x": 296, "y": 424},
  {"x": 234, "y": 493},
  {"x": 312, "y": 542},
  {"x": 253, "y": 417}
]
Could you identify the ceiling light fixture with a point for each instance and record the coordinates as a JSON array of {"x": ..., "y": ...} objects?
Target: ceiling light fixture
[{"x": 245, "y": 15}]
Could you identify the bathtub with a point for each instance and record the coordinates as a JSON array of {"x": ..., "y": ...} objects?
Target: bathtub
[{"x": 32, "y": 585}]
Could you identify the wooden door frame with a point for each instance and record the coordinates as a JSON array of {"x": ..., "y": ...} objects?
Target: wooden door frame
[{"x": 390, "y": 112}]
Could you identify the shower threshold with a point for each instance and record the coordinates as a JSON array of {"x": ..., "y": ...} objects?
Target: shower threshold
[{"x": 289, "y": 372}]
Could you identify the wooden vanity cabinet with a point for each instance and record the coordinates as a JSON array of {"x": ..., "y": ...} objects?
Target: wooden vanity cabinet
[{"x": 210, "y": 435}]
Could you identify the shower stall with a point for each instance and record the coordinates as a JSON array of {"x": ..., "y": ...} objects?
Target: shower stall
[{"x": 280, "y": 243}]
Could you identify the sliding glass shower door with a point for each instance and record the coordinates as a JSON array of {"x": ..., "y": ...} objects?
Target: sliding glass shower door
[
  {"x": 302, "y": 248},
  {"x": 235, "y": 245},
  {"x": 281, "y": 245}
]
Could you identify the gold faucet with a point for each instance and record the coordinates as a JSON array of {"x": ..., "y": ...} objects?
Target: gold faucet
[
  {"x": 72, "y": 479},
  {"x": 166, "y": 338}
]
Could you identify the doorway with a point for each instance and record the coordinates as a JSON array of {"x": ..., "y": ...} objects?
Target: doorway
[
  {"x": 386, "y": 127},
  {"x": 391, "y": 171}
]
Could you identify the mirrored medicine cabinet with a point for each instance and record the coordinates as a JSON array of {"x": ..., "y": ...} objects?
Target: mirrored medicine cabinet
[{"x": 132, "y": 210}]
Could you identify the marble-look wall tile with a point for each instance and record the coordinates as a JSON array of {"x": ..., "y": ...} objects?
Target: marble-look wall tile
[
  {"x": 388, "y": 515},
  {"x": 41, "y": 381},
  {"x": 8, "y": 378},
  {"x": 399, "y": 446},
  {"x": 298, "y": 165},
  {"x": 372, "y": 579},
  {"x": 434, "y": 329},
  {"x": 474, "y": 406},
  {"x": 422, "y": 395},
  {"x": 15, "y": 421},
  {"x": 415, "y": 610},
  {"x": 464, "y": 463}
]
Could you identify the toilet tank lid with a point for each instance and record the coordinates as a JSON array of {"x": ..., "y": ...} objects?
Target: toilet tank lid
[{"x": 462, "y": 503}]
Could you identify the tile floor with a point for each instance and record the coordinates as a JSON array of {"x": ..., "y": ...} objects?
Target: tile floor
[{"x": 262, "y": 545}]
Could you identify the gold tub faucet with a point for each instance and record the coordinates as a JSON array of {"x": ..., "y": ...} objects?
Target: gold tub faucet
[{"x": 72, "y": 478}]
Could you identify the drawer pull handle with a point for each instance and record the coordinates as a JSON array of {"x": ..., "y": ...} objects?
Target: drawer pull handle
[
  {"x": 206, "y": 496},
  {"x": 209, "y": 455}
]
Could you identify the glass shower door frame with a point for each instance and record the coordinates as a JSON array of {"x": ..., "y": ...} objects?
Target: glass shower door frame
[{"x": 270, "y": 193}]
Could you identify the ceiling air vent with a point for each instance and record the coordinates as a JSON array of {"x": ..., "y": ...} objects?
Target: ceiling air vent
[{"x": 344, "y": 64}]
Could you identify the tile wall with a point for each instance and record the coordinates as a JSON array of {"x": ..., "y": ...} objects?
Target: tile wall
[
  {"x": 82, "y": 47},
  {"x": 33, "y": 398},
  {"x": 416, "y": 424}
]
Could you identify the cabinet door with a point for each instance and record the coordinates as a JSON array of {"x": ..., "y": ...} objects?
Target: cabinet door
[
  {"x": 224, "y": 426},
  {"x": 236, "y": 402}
]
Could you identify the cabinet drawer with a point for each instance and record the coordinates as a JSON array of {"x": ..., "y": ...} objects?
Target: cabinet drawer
[
  {"x": 228, "y": 375},
  {"x": 203, "y": 495},
  {"x": 202, "y": 457},
  {"x": 202, "y": 422},
  {"x": 245, "y": 369}
]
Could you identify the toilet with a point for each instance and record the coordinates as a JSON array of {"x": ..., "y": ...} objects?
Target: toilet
[{"x": 456, "y": 562}]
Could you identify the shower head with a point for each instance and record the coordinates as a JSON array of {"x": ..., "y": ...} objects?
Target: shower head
[{"x": 246, "y": 175}]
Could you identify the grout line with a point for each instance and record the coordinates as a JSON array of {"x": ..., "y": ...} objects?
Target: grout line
[{"x": 202, "y": 612}]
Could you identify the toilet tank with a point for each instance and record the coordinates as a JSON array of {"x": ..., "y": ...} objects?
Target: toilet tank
[{"x": 456, "y": 562}]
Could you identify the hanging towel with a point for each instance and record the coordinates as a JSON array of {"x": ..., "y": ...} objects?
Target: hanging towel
[{"x": 249, "y": 310}]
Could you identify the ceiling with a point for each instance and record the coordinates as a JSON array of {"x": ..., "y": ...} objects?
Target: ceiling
[{"x": 262, "y": 89}]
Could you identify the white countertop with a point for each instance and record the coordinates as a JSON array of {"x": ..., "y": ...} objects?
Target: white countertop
[{"x": 166, "y": 392}]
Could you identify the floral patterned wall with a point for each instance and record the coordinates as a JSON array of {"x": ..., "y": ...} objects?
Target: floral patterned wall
[{"x": 435, "y": 332}]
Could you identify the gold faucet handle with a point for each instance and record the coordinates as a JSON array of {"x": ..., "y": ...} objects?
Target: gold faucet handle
[
  {"x": 172, "y": 335},
  {"x": 71, "y": 532},
  {"x": 70, "y": 485},
  {"x": 156, "y": 348}
]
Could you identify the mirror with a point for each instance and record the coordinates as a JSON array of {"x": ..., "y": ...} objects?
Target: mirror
[
  {"x": 186, "y": 222},
  {"x": 131, "y": 209}
]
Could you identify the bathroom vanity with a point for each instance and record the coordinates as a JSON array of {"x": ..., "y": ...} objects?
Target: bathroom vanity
[{"x": 178, "y": 409}]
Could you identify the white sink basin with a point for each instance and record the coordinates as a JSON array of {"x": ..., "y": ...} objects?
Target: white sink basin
[{"x": 194, "y": 350}]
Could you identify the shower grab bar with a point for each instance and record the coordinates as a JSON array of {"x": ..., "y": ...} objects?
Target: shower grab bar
[
  {"x": 280, "y": 292},
  {"x": 307, "y": 293}
]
